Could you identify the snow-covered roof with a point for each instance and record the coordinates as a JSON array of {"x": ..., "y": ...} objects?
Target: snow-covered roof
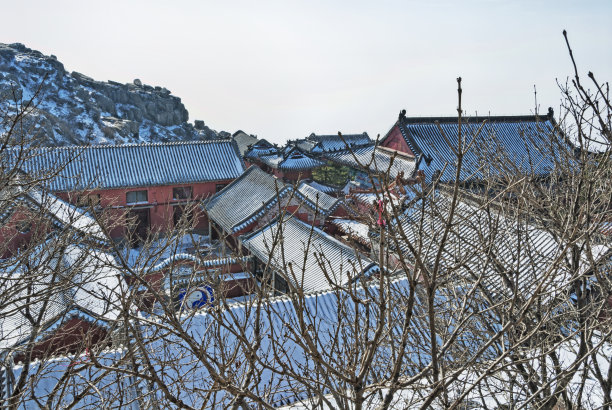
[
  {"x": 81, "y": 282},
  {"x": 328, "y": 189},
  {"x": 243, "y": 141},
  {"x": 259, "y": 148},
  {"x": 306, "y": 256},
  {"x": 521, "y": 140},
  {"x": 502, "y": 389},
  {"x": 68, "y": 215},
  {"x": 325, "y": 203},
  {"x": 325, "y": 311},
  {"x": 370, "y": 198},
  {"x": 135, "y": 165},
  {"x": 508, "y": 255},
  {"x": 305, "y": 145},
  {"x": 356, "y": 229},
  {"x": 188, "y": 380},
  {"x": 283, "y": 330},
  {"x": 375, "y": 160},
  {"x": 63, "y": 214},
  {"x": 291, "y": 160},
  {"x": 208, "y": 263},
  {"x": 98, "y": 282},
  {"x": 244, "y": 199},
  {"x": 332, "y": 143}
]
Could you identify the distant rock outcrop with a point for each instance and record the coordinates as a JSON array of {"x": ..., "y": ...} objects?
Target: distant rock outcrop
[{"x": 72, "y": 108}]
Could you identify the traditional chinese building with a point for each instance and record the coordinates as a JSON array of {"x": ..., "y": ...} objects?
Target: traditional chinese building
[
  {"x": 521, "y": 141},
  {"x": 257, "y": 197},
  {"x": 72, "y": 318},
  {"x": 191, "y": 281},
  {"x": 35, "y": 213},
  {"x": 290, "y": 164},
  {"x": 141, "y": 187},
  {"x": 258, "y": 149},
  {"x": 371, "y": 164},
  {"x": 243, "y": 141},
  {"x": 309, "y": 259},
  {"x": 325, "y": 144}
]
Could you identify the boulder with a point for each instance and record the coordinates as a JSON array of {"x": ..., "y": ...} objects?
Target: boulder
[{"x": 75, "y": 108}]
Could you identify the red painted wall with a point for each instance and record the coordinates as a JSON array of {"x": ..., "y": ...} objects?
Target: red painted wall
[
  {"x": 293, "y": 176},
  {"x": 73, "y": 336},
  {"x": 11, "y": 239},
  {"x": 396, "y": 141},
  {"x": 339, "y": 212},
  {"x": 160, "y": 201}
]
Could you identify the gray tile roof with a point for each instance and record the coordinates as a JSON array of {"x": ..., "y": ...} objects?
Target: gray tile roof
[
  {"x": 322, "y": 201},
  {"x": 62, "y": 214},
  {"x": 314, "y": 267},
  {"x": 508, "y": 255},
  {"x": 259, "y": 148},
  {"x": 136, "y": 165},
  {"x": 331, "y": 143},
  {"x": 208, "y": 263},
  {"x": 331, "y": 316},
  {"x": 328, "y": 312},
  {"x": 374, "y": 160},
  {"x": 328, "y": 189},
  {"x": 242, "y": 200},
  {"x": 93, "y": 294},
  {"x": 243, "y": 141},
  {"x": 318, "y": 144},
  {"x": 305, "y": 145},
  {"x": 291, "y": 160},
  {"x": 358, "y": 230},
  {"x": 522, "y": 140}
]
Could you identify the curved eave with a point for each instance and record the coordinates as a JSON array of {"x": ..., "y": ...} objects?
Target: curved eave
[{"x": 261, "y": 211}]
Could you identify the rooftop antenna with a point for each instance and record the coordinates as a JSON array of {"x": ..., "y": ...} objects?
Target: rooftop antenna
[{"x": 535, "y": 96}]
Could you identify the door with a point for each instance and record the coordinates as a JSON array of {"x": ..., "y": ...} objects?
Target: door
[
  {"x": 138, "y": 225},
  {"x": 178, "y": 213}
]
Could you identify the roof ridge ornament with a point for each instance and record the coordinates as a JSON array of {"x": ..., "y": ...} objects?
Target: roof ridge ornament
[{"x": 402, "y": 115}]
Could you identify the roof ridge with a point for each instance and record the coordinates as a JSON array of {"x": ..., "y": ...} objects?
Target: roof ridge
[
  {"x": 218, "y": 197},
  {"x": 476, "y": 118},
  {"x": 318, "y": 231},
  {"x": 234, "y": 182},
  {"x": 394, "y": 280},
  {"x": 263, "y": 208},
  {"x": 130, "y": 145}
]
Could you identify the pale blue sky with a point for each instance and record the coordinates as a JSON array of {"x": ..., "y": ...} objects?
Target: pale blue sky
[{"x": 284, "y": 69}]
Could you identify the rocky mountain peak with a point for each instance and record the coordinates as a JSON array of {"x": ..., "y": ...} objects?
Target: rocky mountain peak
[{"x": 72, "y": 108}]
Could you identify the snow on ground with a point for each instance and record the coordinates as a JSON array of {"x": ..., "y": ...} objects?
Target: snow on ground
[{"x": 161, "y": 249}]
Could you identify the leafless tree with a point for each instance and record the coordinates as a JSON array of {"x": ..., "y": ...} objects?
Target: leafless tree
[
  {"x": 54, "y": 273},
  {"x": 487, "y": 293}
]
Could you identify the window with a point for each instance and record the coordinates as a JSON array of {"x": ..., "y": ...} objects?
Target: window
[
  {"x": 89, "y": 200},
  {"x": 219, "y": 187},
  {"x": 181, "y": 212},
  {"x": 136, "y": 197},
  {"x": 182, "y": 192}
]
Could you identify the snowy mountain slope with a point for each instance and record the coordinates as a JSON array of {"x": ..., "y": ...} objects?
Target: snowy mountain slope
[{"x": 71, "y": 108}]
